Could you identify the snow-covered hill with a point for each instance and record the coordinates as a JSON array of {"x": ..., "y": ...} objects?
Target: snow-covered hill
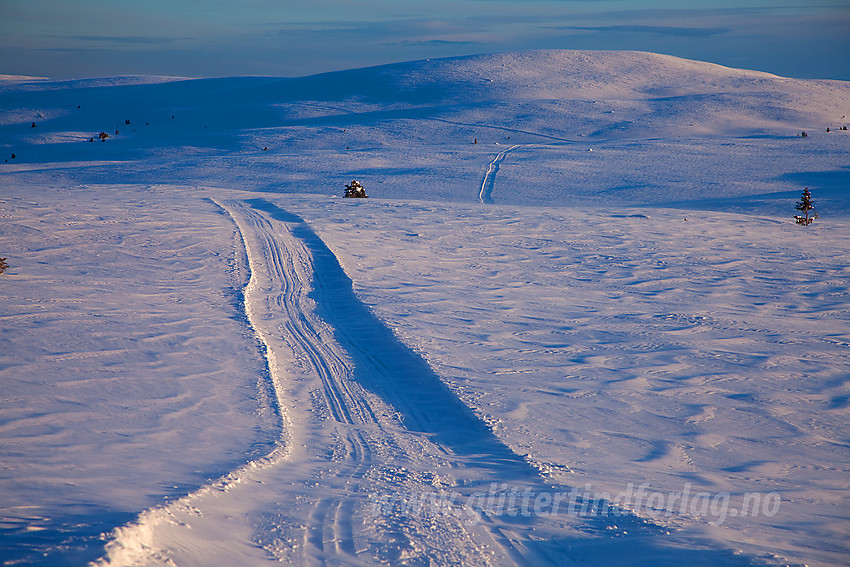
[
  {"x": 659, "y": 128},
  {"x": 594, "y": 252}
]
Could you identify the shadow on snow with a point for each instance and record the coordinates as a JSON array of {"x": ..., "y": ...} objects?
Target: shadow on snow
[{"x": 404, "y": 380}]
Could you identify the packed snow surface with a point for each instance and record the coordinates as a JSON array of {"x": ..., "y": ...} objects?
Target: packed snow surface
[{"x": 574, "y": 323}]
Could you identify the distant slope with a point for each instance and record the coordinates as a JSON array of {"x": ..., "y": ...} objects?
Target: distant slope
[
  {"x": 429, "y": 129},
  {"x": 569, "y": 89},
  {"x": 599, "y": 93},
  {"x": 553, "y": 74}
]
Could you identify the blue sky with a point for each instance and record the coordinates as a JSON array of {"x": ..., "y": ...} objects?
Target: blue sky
[{"x": 207, "y": 38}]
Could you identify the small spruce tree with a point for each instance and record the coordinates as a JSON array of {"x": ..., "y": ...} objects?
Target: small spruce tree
[
  {"x": 805, "y": 205},
  {"x": 355, "y": 191}
]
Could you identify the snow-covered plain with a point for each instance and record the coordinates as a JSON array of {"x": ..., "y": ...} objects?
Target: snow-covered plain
[{"x": 577, "y": 275}]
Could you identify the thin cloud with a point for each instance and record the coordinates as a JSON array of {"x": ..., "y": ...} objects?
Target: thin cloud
[
  {"x": 429, "y": 43},
  {"x": 128, "y": 40},
  {"x": 673, "y": 31},
  {"x": 385, "y": 28}
]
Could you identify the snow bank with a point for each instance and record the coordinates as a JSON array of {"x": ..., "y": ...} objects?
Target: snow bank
[{"x": 128, "y": 373}]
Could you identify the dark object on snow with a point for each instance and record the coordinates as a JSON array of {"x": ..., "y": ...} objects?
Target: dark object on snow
[
  {"x": 803, "y": 135},
  {"x": 827, "y": 129},
  {"x": 13, "y": 156},
  {"x": 103, "y": 136},
  {"x": 804, "y": 205},
  {"x": 355, "y": 191},
  {"x": 33, "y": 125},
  {"x": 3, "y": 265},
  {"x": 127, "y": 121}
]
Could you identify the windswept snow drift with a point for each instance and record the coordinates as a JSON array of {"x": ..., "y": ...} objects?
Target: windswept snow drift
[
  {"x": 613, "y": 348},
  {"x": 690, "y": 347}
]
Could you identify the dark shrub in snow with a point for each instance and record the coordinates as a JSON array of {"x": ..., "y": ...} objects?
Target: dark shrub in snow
[{"x": 355, "y": 190}]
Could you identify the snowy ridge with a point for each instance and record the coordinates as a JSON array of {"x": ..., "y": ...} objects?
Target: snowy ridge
[{"x": 659, "y": 126}]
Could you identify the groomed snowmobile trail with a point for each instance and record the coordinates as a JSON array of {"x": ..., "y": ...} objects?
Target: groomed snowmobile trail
[
  {"x": 485, "y": 194},
  {"x": 378, "y": 462}
]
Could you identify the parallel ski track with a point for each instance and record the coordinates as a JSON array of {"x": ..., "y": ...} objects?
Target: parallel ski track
[
  {"x": 289, "y": 270},
  {"x": 302, "y": 264},
  {"x": 328, "y": 532}
]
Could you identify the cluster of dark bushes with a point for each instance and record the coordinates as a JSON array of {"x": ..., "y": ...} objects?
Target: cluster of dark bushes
[{"x": 355, "y": 191}]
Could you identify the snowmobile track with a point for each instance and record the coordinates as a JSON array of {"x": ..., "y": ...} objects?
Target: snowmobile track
[
  {"x": 485, "y": 195},
  {"x": 364, "y": 418}
]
